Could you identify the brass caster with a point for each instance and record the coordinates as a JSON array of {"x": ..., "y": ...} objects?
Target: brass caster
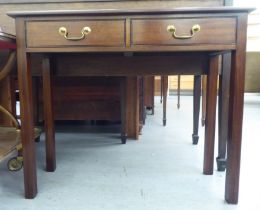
[{"x": 15, "y": 164}]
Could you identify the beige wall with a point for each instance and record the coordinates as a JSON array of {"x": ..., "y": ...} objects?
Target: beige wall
[{"x": 252, "y": 72}]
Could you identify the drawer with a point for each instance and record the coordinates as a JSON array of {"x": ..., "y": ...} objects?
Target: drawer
[
  {"x": 105, "y": 33},
  {"x": 212, "y": 31}
]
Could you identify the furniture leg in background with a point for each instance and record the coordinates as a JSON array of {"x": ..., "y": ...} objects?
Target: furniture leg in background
[
  {"x": 161, "y": 89},
  {"x": 204, "y": 95},
  {"x": 165, "y": 92},
  {"x": 196, "y": 108},
  {"x": 123, "y": 109},
  {"x": 149, "y": 93},
  {"x": 48, "y": 114},
  {"x": 211, "y": 115},
  {"x": 143, "y": 107},
  {"x": 223, "y": 109},
  {"x": 133, "y": 124},
  {"x": 179, "y": 91}
]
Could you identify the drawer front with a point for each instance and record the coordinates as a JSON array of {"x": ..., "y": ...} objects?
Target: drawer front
[
  {"x": 212, "y": 31},
  {"x": 107, "y": 33}
]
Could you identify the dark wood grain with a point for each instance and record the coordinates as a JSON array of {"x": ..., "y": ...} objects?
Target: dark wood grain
[
  {"x": 120, "y": 12},
  {"x": 132, "y": 107},
  {"x": 139, "y": 64},
  {"x": 236, "y": 103},
  {"x": 223, "y": 109},
  {"x": 148, "y": 52},
  {"x": 103, "y": 33},
  {"x": 48, "y": 114},
  {"x": 27, "y": 130},
  {"x": 179, "y": 92},
  {"x": 149, "y": 92},
  {"x": 204, "y": 95},
  {"x": 210, "y": 115},
  {"x": 154, "y": 31},
  {"x": 196, "y": 108},
  {"x": 123, "y": 93}
]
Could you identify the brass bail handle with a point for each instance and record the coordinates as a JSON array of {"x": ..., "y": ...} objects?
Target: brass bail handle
[
  {"x": 172, "y": 29},
  {"x": 64, "y": 32}
]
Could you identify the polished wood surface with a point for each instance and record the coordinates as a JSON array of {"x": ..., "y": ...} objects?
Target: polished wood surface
[
  {"x": 210, "y": 49},
  {"x": 196, "y": 108},
  {"x": 211, "y": 101},
  {"x": 7, "y": 23},
  {"x": 144, "y": 31},
  {"x": 237, "y": 80},
  {"x": 132, "y": 107},
  {"x": 223, "y": 109},
  {"x": 149, "y": 83},
  {"x": 26, "y": 104},
  {"x": 103, "y": 33},
  {"x": 97, "y": 98},
  {"x": 47, "y": 76}
]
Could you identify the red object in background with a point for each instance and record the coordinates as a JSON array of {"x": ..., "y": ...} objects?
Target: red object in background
[{"x": 7, "y": 41}]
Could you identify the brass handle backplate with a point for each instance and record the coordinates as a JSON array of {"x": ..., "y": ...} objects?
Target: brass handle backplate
[
  {"x": 64, "y": 32},
  {"x": 172, "y": 29}
]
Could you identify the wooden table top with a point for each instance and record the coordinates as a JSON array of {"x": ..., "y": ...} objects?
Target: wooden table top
[{"x": 181, "y": 10}]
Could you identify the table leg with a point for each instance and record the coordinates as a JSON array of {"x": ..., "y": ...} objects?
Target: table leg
[
  {"x": 48, "y": 115},
  {"x": 143, "y": 107},
  {"x": 153, "y": 88},
  {"x": 179, "y": 91},
  {"x": 204, "y": 94},
  {"x": 161, "y": 89},
  {"x": 235, "y": 126},
  {"x": 123, "y": 109},
  {"x": 211, "y": 115},
  {"x": 27, "y": 130},
  {"x": 236, "y": 104},
  {"x": 224, "y": 83},
  {"x": 165, "y": 90},
  {"x": 196, "y": 108}
]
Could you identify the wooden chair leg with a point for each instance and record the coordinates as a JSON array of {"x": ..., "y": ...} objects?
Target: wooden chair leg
[
  {"x": 179, "y": 91},
  {"x": 204, "y": 95},
  {"x": 211, "y": 115},
  {"x": 123, "y": 109},
  {"x": 47, "y": 72},
  {"x": 165, "y": 91},
  {"x": 223, "y": 108},
  {"x": 196, "y": 108}
]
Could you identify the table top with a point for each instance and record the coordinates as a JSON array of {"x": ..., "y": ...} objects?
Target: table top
[{"x": 179, "y": 10}]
